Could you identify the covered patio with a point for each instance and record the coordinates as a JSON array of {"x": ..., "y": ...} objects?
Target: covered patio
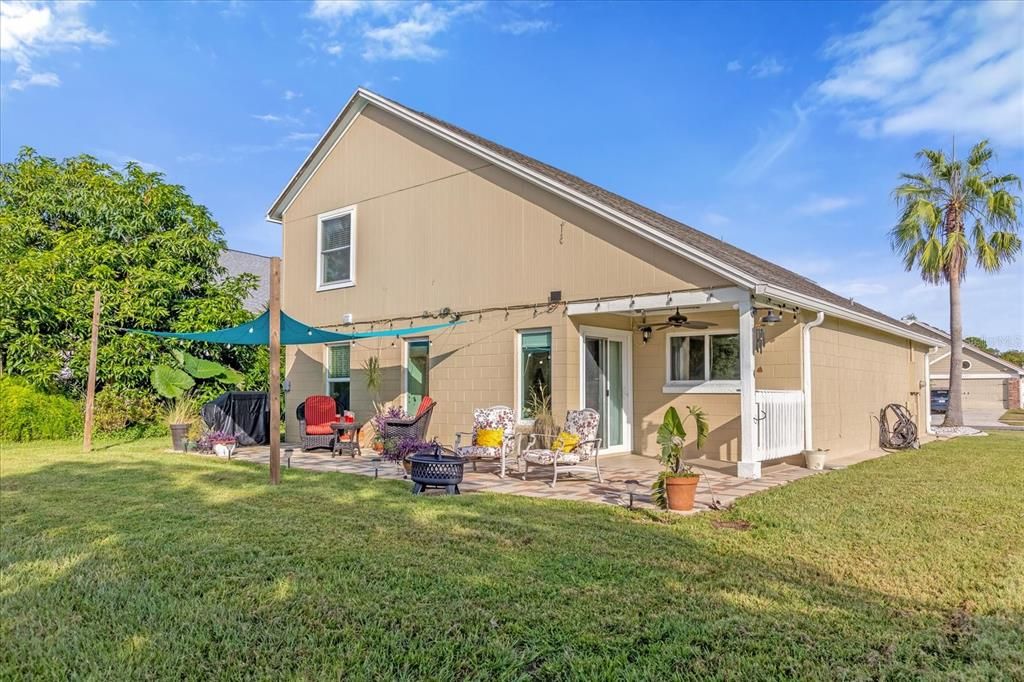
[{"x": 719, "y": 481}]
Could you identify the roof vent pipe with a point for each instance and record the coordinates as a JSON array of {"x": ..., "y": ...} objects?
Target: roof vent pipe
[{"x": 805, "y": 349}]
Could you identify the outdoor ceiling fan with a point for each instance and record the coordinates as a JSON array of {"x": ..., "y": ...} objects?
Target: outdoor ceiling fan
[
  {"x": 675, "y": 321},
  {"x": 679, "y": 321}
]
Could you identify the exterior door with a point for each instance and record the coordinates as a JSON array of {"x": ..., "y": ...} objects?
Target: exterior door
[
  {"x": 417, "y": 373},
  {"x": 606, "y": 362}
]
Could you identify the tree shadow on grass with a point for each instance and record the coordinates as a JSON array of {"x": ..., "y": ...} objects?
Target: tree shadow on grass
[{"x": 178, "y": 567}]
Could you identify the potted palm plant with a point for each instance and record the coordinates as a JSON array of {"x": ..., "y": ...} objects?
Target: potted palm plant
[{"x": 676, "y": 486}]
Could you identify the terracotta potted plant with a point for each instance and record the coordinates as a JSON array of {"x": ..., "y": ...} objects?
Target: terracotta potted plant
[{"x": 676, "y": 486}]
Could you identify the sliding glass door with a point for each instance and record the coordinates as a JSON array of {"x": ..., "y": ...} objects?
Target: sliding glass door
[{"x": 606, "y": 362}]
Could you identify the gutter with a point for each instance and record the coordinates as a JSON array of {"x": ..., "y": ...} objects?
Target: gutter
[{"x": 805, "y": 351}]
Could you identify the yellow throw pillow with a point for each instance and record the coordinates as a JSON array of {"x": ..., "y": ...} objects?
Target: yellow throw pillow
[
  {"x": 489, "y": 438},
  {"x": 566, "y": 442}
]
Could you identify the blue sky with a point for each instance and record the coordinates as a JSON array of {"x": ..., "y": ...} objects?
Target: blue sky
[{"x": 778, "y": 127}]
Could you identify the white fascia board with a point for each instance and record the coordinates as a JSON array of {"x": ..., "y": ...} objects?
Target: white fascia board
[
  {"x": 811, "y": 303},
  {"x": 629, "y": 304}
]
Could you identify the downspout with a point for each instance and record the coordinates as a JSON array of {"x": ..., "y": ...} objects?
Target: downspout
[
  {"x": 927, "y": 391},
  {"x": 806, "y": 375}
]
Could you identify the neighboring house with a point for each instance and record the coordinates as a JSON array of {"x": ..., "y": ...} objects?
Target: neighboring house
[
  {"x": 564, "y": 288},
  {"x": 241, "y": 262},
  {"x": 989, "y": 382}
]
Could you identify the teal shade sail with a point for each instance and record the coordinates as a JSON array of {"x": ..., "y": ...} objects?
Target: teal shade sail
[{"x": 257, "y": 333}]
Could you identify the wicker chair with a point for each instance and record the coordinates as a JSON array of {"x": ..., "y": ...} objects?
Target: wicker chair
[
  {"x": 497, "y": 417},
  {"x": 583, "y": 455},
  {"x": 415, "y": 427},
  {"x": 315, "y": 416}
]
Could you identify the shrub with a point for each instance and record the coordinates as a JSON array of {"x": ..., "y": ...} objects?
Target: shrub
[
  {"x": 119, "y": 408},
  {"x": 29, "y": 414}
]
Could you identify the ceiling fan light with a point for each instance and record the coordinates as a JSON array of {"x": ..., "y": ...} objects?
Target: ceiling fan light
[{"x": 771, "y": 318}]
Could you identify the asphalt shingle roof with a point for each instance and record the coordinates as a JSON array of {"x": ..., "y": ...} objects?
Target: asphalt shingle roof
[{"x": 754, "y": 266}]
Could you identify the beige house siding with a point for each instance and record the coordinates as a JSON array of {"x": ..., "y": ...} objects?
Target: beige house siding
[
  {"x": 979, "y": 363},
  {"x": 437, "y": 228},
  {"x": 434, "y": 229},
  {"x": 856, "y": 371}
]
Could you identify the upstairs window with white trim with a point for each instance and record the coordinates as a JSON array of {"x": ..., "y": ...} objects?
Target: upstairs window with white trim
[
  {"x": 336, "y": 262},
  {"x": 702, "y": 361}
]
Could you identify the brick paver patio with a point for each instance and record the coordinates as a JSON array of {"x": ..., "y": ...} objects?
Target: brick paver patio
[{"x": 719, "y": 480}]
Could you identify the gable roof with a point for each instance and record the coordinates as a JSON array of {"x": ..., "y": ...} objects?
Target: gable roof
[
  {"x": 942, "y": 337},
  {"x": 731, "y": 262}
]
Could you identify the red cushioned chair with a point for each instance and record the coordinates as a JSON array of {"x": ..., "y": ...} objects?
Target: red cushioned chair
[{"x": 316, "y": 415}]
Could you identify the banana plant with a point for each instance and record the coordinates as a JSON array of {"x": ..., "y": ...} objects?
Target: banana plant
[{"x": 174, "y": 381}]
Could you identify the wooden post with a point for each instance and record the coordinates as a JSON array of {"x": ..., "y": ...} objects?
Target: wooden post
[
  {"x": 90, "y": 390},
  {"x": 274, "y": 380}
]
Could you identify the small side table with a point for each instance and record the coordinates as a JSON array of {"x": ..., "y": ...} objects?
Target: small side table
[{"x": 351, "y": 444}]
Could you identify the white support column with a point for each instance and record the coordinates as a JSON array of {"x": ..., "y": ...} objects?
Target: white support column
[{"x": 748, "y": 466}]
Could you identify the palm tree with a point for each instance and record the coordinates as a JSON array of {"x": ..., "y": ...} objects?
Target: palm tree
[{"x": 932, "y": 234}]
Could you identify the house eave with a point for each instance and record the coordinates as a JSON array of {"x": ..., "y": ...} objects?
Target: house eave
[{"x": 812, "y": 303}]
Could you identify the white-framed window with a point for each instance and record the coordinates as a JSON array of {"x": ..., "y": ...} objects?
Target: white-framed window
[
  {"x": 533, "y": 371},
  {"x": 336, "y": 249},
  {"x": 966, "y": 364},
  {"x": 702, "y": 362},
  {"x": 339, "y": 374}
]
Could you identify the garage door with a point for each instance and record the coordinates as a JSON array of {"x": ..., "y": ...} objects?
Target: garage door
[{"x": 985, "y": 394}]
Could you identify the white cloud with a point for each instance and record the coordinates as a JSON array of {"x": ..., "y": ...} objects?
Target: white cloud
[
  {"x": 713, "y": 219},
  {"x": 734, "y": 65},
  {"x": 411, "y": 36},
  {"x": 770, "y": 146},
  {"x": 933, "y": 68},
  {"x": 47, "y": 79},
  {"x": 291, "y": 94},
  {"x": 275, "y": 118},
  {"x": 33, "y": 30},
  {"x": 198, "y": 157},
  {"x": 518, "y": 27},
  {"x": 299, "y": 137},
  {"x": 339, "y": 10},
  {"x": 395, "y": 30},
  {"x": 823, "y": 205},
  {"x": 120, "y": 160},
  {"x": 767, "y": 67}
]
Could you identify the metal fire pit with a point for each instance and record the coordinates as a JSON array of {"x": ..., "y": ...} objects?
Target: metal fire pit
[{"x": 433, "y": 469}]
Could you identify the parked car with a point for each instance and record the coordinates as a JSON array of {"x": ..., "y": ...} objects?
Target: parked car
[{"x": 940, "y": 400}]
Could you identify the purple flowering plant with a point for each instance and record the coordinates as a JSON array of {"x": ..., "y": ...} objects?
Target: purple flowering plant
[{"x": 211, "y": 438}]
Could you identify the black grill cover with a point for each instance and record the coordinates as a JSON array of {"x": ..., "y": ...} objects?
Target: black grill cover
[{"x": 246, "y": 414}]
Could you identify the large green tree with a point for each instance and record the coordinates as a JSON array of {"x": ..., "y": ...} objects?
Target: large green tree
[
  {"x": 953, "y": 210},
  {"x": 69, "y": 227}
]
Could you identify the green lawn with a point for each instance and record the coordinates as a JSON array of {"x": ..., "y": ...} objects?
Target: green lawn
[{"x": 134, "y": 563}]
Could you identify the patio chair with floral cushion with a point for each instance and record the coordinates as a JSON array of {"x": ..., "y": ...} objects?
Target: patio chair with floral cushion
[
  {"x": 315, "y": 416},
  {"x": 414, "y": 427},
  {"x": 576, "y": 446},
  {"x": 493, "y": 436}
]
